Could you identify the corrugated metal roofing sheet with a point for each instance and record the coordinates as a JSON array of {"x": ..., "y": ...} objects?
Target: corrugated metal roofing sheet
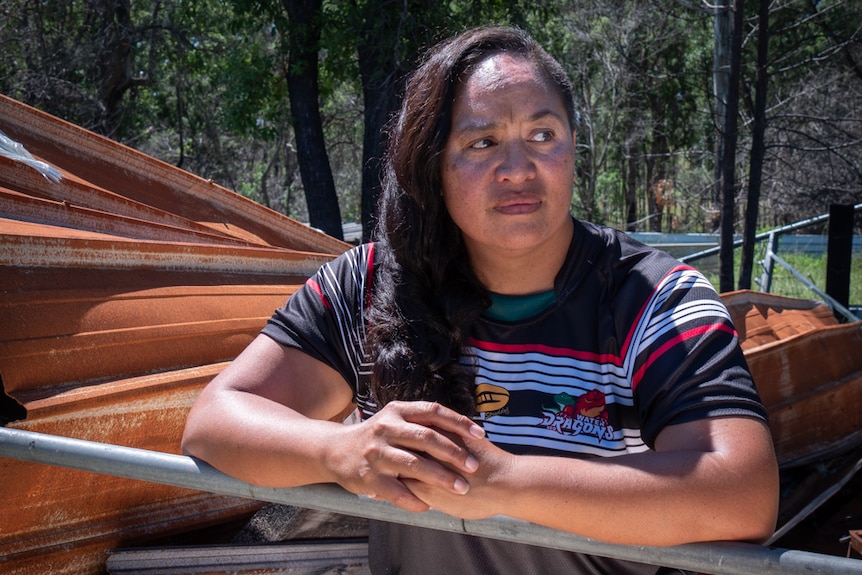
[
  {"x": 808, "y": 371},
  {"x": 126, "y": 285},
  {"x": 131, "y": 179}
]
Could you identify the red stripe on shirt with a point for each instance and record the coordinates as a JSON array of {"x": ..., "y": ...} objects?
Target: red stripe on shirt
[
  {"x": 317, "y": 289},
  {"x": 694, "y": 332},
  {"x": 513, "y": 348}
]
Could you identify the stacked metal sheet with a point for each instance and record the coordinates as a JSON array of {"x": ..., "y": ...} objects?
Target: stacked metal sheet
[{"x": 127, "y": 284}]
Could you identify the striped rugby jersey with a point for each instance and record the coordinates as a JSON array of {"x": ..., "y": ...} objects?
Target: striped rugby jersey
[
  {"x": 632, "y": 342},
  {"x": 635, "y": 341}
]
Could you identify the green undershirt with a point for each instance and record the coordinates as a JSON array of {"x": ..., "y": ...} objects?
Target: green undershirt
[{"x": 519, "y": 307}]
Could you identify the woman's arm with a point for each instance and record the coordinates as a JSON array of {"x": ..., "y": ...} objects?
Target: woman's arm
[
  {"x": 266, "y": 419},
  {"x": 713, "y": 479}
]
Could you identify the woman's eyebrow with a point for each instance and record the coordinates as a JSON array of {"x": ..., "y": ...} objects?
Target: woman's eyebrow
[
  {"x": 474, "y": 125},
  {"x": 544, "y": 113}
]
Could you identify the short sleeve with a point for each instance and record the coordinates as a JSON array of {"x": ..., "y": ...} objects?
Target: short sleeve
[
  {"x": 324, "y": 318},
  {"x": 689, "y": 365}
]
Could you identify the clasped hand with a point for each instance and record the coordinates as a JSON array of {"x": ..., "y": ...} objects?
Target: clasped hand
[{"x": 417, "y": 455}]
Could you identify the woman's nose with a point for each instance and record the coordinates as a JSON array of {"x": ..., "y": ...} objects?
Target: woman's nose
[{"x": 516, "y": 162}]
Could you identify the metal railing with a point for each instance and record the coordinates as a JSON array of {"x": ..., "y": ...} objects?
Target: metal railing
[
  {"x": 723, "y": 558},
  {"x": 771, "y": 258},
  {"x": 765, "y": 235}
]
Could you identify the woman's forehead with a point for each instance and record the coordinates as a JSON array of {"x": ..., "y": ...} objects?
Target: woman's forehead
[
  {"x": 501, "y": 69},
  {"x": 506, "y": 78}
]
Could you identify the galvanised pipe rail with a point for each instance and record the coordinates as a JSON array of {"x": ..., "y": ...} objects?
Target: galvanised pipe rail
[
  {"x": 764, "y": 235},
  {"x": 723, "y": 558}
]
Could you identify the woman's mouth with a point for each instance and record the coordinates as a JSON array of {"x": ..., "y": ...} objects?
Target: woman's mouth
[{"x": 517, "y": 207}]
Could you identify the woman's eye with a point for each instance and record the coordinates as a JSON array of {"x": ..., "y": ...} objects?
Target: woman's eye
[{"x": 481, "y": 144}]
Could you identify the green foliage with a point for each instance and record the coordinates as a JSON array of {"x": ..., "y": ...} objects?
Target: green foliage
[{"x": 205, "y": 89}]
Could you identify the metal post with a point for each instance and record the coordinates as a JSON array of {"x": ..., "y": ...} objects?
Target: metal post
[
  {"x": 839, "y": 253},
  {"x": 768, "y": 263},
  {"x": 723, "y": 558}
]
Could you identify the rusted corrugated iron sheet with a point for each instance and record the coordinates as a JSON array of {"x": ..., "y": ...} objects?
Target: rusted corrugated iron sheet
[
  {"x": 808, "y": 370},
  {"x": 812, "y": 385},
  {"x": 139, "y": 177},
  {"x": 71, "y": 337},
  {"x": 42, "y": 245},
  {"x": 72, "y": 191},
  {"x": 126, "y": 286},
  {"x": 21, "y": 207},
  {"x": 763, "y": 318},
  {"x": 57, "y": 517}
]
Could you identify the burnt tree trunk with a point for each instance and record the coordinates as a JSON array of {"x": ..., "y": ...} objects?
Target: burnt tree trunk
[
  {"x": 116, "y": 37},
  {"x": 631, "y": 168},
  {"x": 758, "y": 148},
  {"x": 728, "y": 98},
  {"x": 302, "y": 85},
  {"x": 382, "y": 71}
]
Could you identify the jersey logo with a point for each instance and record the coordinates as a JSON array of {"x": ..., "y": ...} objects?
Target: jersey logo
[
  {"x": 491, "y": 399},
  {"x": 584, "y": 415}
]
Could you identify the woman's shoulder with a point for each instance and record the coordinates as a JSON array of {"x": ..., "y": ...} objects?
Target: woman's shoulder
[
  {"x": 611, "y": 250},
  {"x": 346, "y": 276},
  {"x": 356, "y": 258},
  {"x": 620, "y": 263}
]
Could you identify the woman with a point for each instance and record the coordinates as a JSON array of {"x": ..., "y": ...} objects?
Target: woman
[{"x": 506, "y": 358}]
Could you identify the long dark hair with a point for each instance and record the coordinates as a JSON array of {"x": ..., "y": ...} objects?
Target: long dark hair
[{"x": 426, "y": 295}]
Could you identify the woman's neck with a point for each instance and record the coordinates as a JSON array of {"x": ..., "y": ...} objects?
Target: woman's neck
[{"x": 525, "y": 272}]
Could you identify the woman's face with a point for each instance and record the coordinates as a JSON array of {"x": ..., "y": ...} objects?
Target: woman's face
[{"x": 508, "y": 165}]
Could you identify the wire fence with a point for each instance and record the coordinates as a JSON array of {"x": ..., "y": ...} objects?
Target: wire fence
[
  {"x": 807, "y": 255},
  {"x": 792, "y": 261}
]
